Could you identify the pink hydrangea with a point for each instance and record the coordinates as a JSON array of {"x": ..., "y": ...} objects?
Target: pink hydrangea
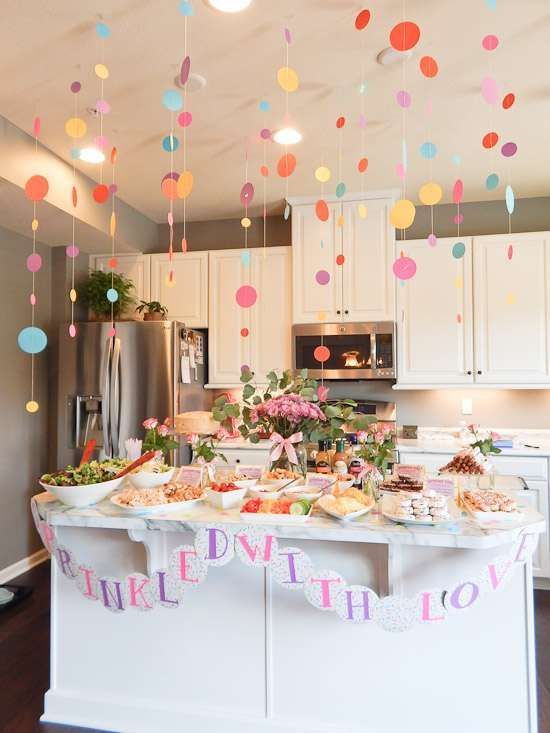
[{"x": 290, "y": 407}]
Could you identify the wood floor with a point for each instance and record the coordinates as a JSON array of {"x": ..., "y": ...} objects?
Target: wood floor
[{"x": 24, "y": 659}]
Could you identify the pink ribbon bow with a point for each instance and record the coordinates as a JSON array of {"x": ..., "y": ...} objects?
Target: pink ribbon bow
[{"x": 281, "y": 444}]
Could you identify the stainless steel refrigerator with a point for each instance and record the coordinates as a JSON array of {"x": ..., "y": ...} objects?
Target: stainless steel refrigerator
[{"x": 108, "y": 385}]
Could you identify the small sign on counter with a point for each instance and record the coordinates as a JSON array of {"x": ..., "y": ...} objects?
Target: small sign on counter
[{"x": 443, "y": 486}]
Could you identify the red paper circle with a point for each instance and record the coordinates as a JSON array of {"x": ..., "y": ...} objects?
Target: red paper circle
[
  {"x": 101, "y": 193},
  {"x": 362, "y": 20},
  {"x": 404, "y": 36},
  {"x": 244, "y": 332},
  {"x": 340, "y": 259},
  {"x": 264, "y": 170},
  {"x": 363, "y": 165},
  {"x": 113, "y": 262},
  {"x": 36, "y": 188},
  {"x": 247, "y": 194},
  {"x": 321, "y": 353},
  {"x": 490, "y": 140},
  {"x": 428, "y": 66},
  {"x": 286, "y": 165},
  {"x": 74, "y": 195},
  {"x": 508, "y": 100},
  {"x": 340, "y": 122},
  {"x": 321, "y": 209}
]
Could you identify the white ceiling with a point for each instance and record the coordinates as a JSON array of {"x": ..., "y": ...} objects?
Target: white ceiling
[{"x": 44, "y": 46}]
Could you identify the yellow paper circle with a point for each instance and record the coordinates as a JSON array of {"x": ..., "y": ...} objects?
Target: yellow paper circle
[
  {"x": 170, "y": 283},
  {"x": 288, "y": 79},
  {"x": 185, "y": 184},
  {"x": 402, "y": 214},
  {"x": 31, "y": 406},
  {"x": 72, "y": 295},
  {"x": 322, "y": 174},
  {"x": 245, "y": 222},
  {"x": 112, "y": 224},
  {"x": 362, "y": 211},
  {"x": 511, "y": 299},
  {"x": 430, "y": 194},
  {"x": 340, "y": 221},
  {"x": 75, "y": 127},
  {"x": 34, "y": 225},
  {"x": 322, "y": 316},
  {"x": 458, "y": 283},
  {"x": 101, "y": 71}
]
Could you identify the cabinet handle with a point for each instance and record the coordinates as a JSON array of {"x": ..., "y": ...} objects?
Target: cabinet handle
[
  {"x": 346, "y": 313},
  {"x": 469, "y": 372},
  {"x": 478, "y": 371},
  {"x": 338, "y": 313}
]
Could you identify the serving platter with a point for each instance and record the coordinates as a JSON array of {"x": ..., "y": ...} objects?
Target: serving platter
[{"x": 152, "y": 509}]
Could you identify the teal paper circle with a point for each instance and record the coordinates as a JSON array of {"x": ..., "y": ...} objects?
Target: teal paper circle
[
  {"x": 186, "y": 8},
  {"x": 170, "y": 143},
  {"x": 32, "y": 340},
  {"x": 245, "y": 258},
  {"x": 172, "y": 100},
  {"x": 492, "y": 182},
  {"x": 112, "y": 295},
  {"x": 459, "y": 249},
  {"x": 428, "y": 150},
  {"x": 103, "y": 30},
  {"x": 340, "y": 190}
]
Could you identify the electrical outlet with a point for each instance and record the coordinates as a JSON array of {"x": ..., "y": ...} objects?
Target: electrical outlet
[{"x": 467, "y": 405}]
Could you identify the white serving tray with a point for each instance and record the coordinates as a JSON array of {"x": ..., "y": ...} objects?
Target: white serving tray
[
  {"x": 348, "y": 517},
  {"x": 171, "y": 507},
  {"x": 387, "y": 506},
  {"x": 264, "y": 517}
]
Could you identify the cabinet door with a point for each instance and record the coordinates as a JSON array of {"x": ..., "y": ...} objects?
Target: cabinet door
[
  {"x": 271, "y": 316},
  {"x": 434, "y": 315},
  {"x": 537, "y": 496},
  {"x": 315, "y": 245},
  {"x": 511, "y": 308},
  {"x": 368, "y": 251},
  {"x": 246, "y": 457},
  {"x": 228, "y": 350},
  {"x": 187, "y": 300},
  {"x": 134, "y": 266}
]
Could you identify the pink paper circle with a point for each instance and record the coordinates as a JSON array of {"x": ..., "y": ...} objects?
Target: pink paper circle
[
  {"x": 246, "y": 296},
  {"x": 34, "y": 262},
  {"x": 112, "y": 332},
  {"x": 185, "y": 119},
  {"x": 404, "y": 268},
  {"x": 458, "y": 191},
  {"x": 403, "y": 99},
  {"x": 72, "y": 250},
  {"x": 509, "y": 149},
  {"x": 432, "y": 240},
  {"x": 458, "y": 218},
  {"x": 113, "y": 188},
  {"x": 103, "y": 106},
  {"x": 76, "y": 86},
  {"x": 101, "y": 141},
  {"x": 32, "y": 299},
  {"x": 401, "y": 171},
  {"x": 247, "y": 194},
  {"x": 362, "y": 121},
  {"x": 265, "y": 134},
  {"x": 72, "y": 330},
  {"x": 489, "y": 42},
  {"x": 510, "y": 251},
  {"x": 489, "y": 90},
  {"x": 185, "y": 69},
  {"x": 322, "y": 277}
]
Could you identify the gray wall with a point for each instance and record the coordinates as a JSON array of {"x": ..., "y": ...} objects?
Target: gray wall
[{"x": 24, "y": 454}]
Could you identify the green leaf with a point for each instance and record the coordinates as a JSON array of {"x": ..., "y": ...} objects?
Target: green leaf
[
  {"x": 332, "y": 411},
  {"x": 257, "y": 400},
  {"x": 232, "y": 409},
  {"x": 218, "y": 415},
  {"x": 220, "y": 401},
  {"x": 248, "y": 391},
  {"x": 254, "y": 438},
  {"x": 307, "y": 393},
  {"x": 303, "y": 373},
  {"x": 272, "y": 377},
  {"x": 247, "y": 377}
]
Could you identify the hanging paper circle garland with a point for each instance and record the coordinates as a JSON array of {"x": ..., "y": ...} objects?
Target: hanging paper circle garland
[
  {"x": 75, "y": 87},
  {"x": 34, "y": 225},
  {"x": 432, "y": 240},
  {"x": 288, "y": 79},
  {"x": 264, "y": 105},
  {"x": 186, "y": 8},
  {"x": 168, "y": 185},
  {"x": 72, "y": 251},
  {"x": 103, "y": 106},
  {"x": 362, "y": 211},
  {"x": 170, "y": 143},
  {"x": 32, "y": 299},
  {"x": 322, "y": 277},
  {"x": 113, "y": 263},
  {"x": 403, "y": 99},
  {"x": 36, "y": 188},
  {"x": 101, "y": 71},
  {"x": 172, "y": 100},
  {"x": 34, "y": 262},
  {"x": 490, "y": 42},
  {"x": 72, "y": 295},
  {"x": 322, "y": 210},
  {"x": 245, "y": 258},
  {"x": 362, "y": 165},
  {"x": 72, "y": 330},
  {"x": 340, "y": 122},
  {"x": 74, "y": 196},
  {"x": 402, "y": 214},
  {"x": 508, "y": 100},
  {"x": 428, "y": 150},
  {"x": 509, "y": 149},
  {"x": 489, "y": 90},
  {"x": 184, "y": 185},
  {"x": 286, "y": 212},
  {"x": 322, "y": 174},
  {"x": 428, "y": 66},
  {"x": 185, "y": 69},
  {"x": 286, "y": 165},
  {"x": 321, "y": 353},
  {"x": 265, "y": 133},
  {"x": 247, "y": 194},
  {"x": 185, "y": 119},
  {"x": 246, "y": 296},
  {"x": 404, "y": 36},
  {"x": 75, "y": 127},
  {"x": 340, "y": 190},
  {"x": 459, "y": 249},
  {"x": 36, "y": 126},
  {"x": 32, "y": 406},
  {"x": 101, "y": 193},
  {"x": 510, "y": 251},
  {"x": 430, "y": 193},
  {"x": 362, "y": 19},
  {"x": 458, "y": 191},
  {"x": 264, "y": 171},
  {"x": 246, "y": 223},
  {"x": 404, "y": 268},
  {"x": 510, "y": 199},
  {"x": 32, "y": 340},
  {"x": 102, "y": 30},
  {"x": 244, "y": 332},
  {"x": 340, "y": 259},
  {"x": 112, "y": 295},
  {"x": 491, "y": 182},
  {"x": 490, "y": 140}
]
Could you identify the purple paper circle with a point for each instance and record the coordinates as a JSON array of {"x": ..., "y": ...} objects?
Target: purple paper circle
[
  {"x": 458, "y": 218},
  {"x": 113, "y": 188},
  {"x": 34, "y": 262},
  {"x": 509, "y": 149},
  {"x": 247, "y": 194},
  {"x": 101, "y": 142},
  {"x": 76, "y": 86},
  {"x": 403, "y": 99},
  {"x": 322, "y": 277},
  {"x": 72, "y": 250},
  {"x": 265, "y": 134},
  {"x": 432, "y": 240},
  {"x": 288, "y": 36}
]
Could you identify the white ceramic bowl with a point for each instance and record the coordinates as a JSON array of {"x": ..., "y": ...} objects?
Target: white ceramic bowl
[
  {"x": 312, "y": 493},
  {"x": 225, "y": 499},
  {"x": 245, "y": 483},
  {"x": 277, "y": 482},
  {"x": 148, "y": 480},
  {"x": 83, "y": 495},
  {"x": 343, "y": 485},
  {"x": 265, "y": 492}
]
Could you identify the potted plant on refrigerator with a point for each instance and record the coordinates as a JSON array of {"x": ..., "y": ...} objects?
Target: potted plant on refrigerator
[
  {"x": 93, "y": 294},
  {"x": 152, "y": 310}
]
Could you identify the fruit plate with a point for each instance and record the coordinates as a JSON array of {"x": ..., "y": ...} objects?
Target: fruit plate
[
  {"x": 348, "y": 517},
  {"x": 172, "y": 507},
  {"x": 265, "y": 518}
]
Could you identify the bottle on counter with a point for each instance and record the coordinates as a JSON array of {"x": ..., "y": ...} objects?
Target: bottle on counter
[
  {"x": 331, "y": 451},
  {"x": 340, "y": 459},
  {"x": 322, "y": 459},
  {"x": 355, "y": 465}
]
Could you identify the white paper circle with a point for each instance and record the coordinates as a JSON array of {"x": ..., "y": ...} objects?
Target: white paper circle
[
  {"x": 354, "y": 604},
  {"x": 322, "y": 595},
  {"x": 430, "y": 608},
  {"x": 173, "y": 592},
  {"x": 396, "y": 613},
  {"x": 291, "y": 567},
  {"x": 145, "y": 600},
  {"x": 195, "y": 569},
  {"x": 112, "y": 594},
  {"x": 215, "y": 545},
  {"x": 251, "y": 549}
]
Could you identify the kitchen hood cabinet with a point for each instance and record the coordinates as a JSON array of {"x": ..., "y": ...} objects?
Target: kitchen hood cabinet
[
  {"x": 356, "y": 252},
  {"x": 482, "y": 319}
]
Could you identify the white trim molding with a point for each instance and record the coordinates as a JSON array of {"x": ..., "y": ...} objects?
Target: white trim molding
[{"x": 21, "y": 566}]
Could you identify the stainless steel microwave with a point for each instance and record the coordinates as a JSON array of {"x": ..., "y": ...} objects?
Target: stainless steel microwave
[{"x": 353, "y": 350}]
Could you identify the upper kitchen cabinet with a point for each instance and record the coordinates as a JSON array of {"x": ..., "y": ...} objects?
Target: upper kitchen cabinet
[
  {"x": 434, "y": 315},
  {"x": 259, "y": 336},
  {"x": 360, "y": 286},
  {"x": 134, "y": 266},
  {"x": 187, "y": 300},
  {"x": 511, "y": 307}
]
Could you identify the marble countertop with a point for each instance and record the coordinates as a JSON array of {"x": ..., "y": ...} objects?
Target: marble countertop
[
  {"x": 371, "y": 528},
  {"x": 452, "y": 445}
]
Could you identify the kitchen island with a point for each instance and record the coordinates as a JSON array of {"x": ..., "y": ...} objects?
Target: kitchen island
[{"x": 195, "y": 621}]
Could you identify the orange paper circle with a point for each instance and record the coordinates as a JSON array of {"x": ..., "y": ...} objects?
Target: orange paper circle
[
  {"x": 428, "y": 66},
  {"x": 340, "y": 260},
  {"x": 101, "y": 193},
  {"x": 113, "y": 262},
  {"x": 404, "y": 36},
  {"x": 508, "y": 100},
  {"x": 362, "y": 20},
  {"x": 244, "y": 332},
  {"x": 321, "y": 210},
  {"x": 363, "y": 165},
  {"x": 321, "y": 353},
  {"x": 286, "y": 165},
  {"x": 264, "y": 170},
  {"x": 490, "y": 140},
  {"x": 184, "y": 185},
  {"x": 36, "y": 188},
  {"x": 169, "y": 188}
]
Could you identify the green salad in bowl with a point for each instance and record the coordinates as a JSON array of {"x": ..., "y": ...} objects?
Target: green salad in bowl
[{"x": 84, "y": 485}]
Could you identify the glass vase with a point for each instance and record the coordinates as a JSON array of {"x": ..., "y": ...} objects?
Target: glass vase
[{"x": 284, "y": 463}]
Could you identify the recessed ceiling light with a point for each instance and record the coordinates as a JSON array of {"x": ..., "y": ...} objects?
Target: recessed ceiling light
[
  {"x": 287, "y": 136},
  {"x": 194, "y": 83},
  {"x": 229, "y": 6},
  {"x": 389, "y": 56},
  {"x": 91, "y": 155}
]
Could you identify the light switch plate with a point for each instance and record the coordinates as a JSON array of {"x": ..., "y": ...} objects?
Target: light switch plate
[{"x": 467, "y": 406}]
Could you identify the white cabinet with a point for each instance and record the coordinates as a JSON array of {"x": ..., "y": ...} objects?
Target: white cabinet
[
  {"x": 134, "y": 266},
  {"x": 187, "y": 300},
  {"x": 244, "y": 457},
  {"x": 259, "y": 336},
  {"x": 537, "y": 496},
  {"x": 360, "y": 287},
  {"x": 434, "y": 315},
  {"x": 511, "y": 308}
]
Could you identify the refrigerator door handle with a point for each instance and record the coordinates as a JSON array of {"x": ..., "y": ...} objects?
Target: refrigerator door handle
[
  {"x": 105, "y": 412},
  {"x": 114, "y": 399}
]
